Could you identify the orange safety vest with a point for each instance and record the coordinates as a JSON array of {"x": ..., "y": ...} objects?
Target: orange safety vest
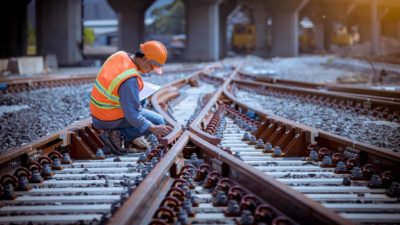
[{"x": 104, "y": 99}]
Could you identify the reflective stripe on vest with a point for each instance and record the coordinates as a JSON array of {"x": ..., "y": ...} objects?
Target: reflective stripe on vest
[{"x": 108, "y": 93}]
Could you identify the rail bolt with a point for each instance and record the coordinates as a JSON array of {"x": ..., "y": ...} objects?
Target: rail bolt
[
  {"x": 66, "y": 158},
  {"x": 369, "y": 169},
  {"x": 249, "y": 202},
  {"x": 356, "y": 173},
  {"x": 253, "y": 140},
  {"x": 165, "y": 213},
  {"x": 246, "y": 137},
  {"x": 312, "y": 147},
  {"x": 223, "y": 185},
  {"x": 211, "y": 180},
  {"x": 336, "y": 157},
  {"x": 246, "y": 218},
  {"x": 220, "y": 199},
  {"x": 264, "y": 213},
  {"x": 236, "y": 193},
  {"x": 9, "y": 182},
  {"x": 55, "y": 157},
  {"x": 178, "y": 193},
  {"x": 281, "y": 220},
  {"x": 8, "y": 192},
  {"x": 268, "y": 148},
  {"x": 23, "y": 175},
  {"x": 387, "y": 179},
  {"x": 277, "y": 151},
  {"x": 202, "y": 172},
  {"x": 340, "y": 167},
  {"x": 322, "y": 152},
  {"x": 313, "y": 155},
  {"x": 35, "y": 168},
  {"x": 326, "y": 161},
  {"x": 260, "y": 144},
  {"x": 46, "y": 163},
  {"x": 394, "y": 190},
  {"x": 233, "y": 209},
  {"x": 171, "y": 202},
  {"x": 179, "y": 182},
  {"x": 190, "y": 169},
  {"x": 351, "y": 163},
  {"x": 375, "y": 181},
  {"x": 100, "y": 154}
]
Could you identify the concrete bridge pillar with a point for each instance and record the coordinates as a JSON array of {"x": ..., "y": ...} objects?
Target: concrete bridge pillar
[
  {"x": 375, "y": 28},
  {"x": 59, "y": 30},
  {"x": 285, "y": 22},
  {"x": 13, "y": 18},
  {"x": 202, "y": 30},
  {"x": 225, "y": 8},
  {"x": 130, "y": 22},
  {"x": 260, "y": 15}
]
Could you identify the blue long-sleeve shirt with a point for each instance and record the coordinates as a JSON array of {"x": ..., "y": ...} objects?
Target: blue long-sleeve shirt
[{"x": 129, "y": 98}]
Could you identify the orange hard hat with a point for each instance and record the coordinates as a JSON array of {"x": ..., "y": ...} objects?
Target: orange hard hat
[{"x": 156, "y": 52}]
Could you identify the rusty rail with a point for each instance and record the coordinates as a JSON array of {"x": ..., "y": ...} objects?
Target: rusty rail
[
  {"x": 202, "y": 119},
  {"x": 364, "y": 92}
]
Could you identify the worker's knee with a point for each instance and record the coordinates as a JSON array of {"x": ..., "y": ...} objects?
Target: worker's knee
[
  {"x": 158, "y": 120},
  {"x": 153, "y": 117}
]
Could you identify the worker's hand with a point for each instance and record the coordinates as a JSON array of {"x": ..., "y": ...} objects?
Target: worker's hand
[{"x": 160, "y": 130}]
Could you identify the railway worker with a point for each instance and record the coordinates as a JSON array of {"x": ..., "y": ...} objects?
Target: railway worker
[{"x": 114, "y": 102}]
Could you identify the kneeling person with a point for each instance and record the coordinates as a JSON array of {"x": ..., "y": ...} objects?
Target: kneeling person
[{"x": 114, "y": 102}]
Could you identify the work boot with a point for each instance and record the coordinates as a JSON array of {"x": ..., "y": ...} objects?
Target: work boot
[
  {"x": 116, "y": 138},
  {"x": 105, "y": 137},
  {"x": 140, "y": 144}
]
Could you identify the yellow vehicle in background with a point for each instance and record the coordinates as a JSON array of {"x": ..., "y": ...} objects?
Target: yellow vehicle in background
[
  {"x": 342, "y": 37},
  {"x": 244, "y": 38}
]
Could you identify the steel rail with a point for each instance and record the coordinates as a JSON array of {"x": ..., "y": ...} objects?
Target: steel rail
[
  {"x": 374, "y": 103},
  {"x": 137, "y": 206},
  {"x": 202, "y": 117},
  {"x": 356, "y": 91}
]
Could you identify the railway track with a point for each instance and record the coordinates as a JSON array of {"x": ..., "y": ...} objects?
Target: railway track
[
  {"x": 225, "y": 162},
  {"x": 374, "y": 122},
  {"x": 357, "y": 181}
]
